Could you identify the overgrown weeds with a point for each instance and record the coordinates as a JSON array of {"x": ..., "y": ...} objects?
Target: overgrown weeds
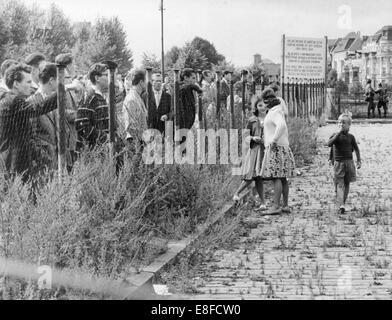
[{"x": 100, "y": 222}]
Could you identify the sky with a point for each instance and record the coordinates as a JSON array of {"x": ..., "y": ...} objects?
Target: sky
[{"x": 237, "y": 28}]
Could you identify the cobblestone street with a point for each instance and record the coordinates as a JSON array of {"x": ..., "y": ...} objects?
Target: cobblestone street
[{"x": 314, "y": 253}]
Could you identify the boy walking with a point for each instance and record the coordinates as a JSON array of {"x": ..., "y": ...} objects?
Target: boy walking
[{"x": 344, "y": 144}]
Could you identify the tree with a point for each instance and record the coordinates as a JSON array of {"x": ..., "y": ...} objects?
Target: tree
[
  {"x": 171, "y": 57},
  {"x": 106, "y": 40},
  {"x": 151, "y": 61},
  {"x": 207, "y": 49},
  {"x": 190, "y": 57},
  {"x": 113, "y": 30}
]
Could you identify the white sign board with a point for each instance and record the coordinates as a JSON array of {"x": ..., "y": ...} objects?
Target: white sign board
[{"x": 304, "y": 58}]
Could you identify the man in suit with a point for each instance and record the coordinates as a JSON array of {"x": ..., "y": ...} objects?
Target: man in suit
[
  {"x": 15, "y": 126},
  {"x": 159, "y": 105}
]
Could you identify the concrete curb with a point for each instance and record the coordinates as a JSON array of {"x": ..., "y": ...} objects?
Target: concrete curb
[
  {"x": 365, "y": 121},
  {"x": 143, "y": 282}
]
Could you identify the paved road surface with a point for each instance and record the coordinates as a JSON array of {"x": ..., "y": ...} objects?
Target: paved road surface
[{"x": 314, "y": 253}]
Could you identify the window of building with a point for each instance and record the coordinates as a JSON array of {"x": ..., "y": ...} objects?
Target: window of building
[{"x": 355, "y": 75}]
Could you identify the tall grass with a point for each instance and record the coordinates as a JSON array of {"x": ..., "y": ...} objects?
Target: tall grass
[
  {"x": 303, "y": 140},
  {"x": 100, "y": 222}
]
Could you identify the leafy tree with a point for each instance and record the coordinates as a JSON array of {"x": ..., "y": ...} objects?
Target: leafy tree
[
  {"x": 190, "y": 57},
  {"x": 152, "y": 61},
  {"x": 113, "y": 30},
  {"x": 171, "y": 57},
  {"x": 207, "y": 49}
]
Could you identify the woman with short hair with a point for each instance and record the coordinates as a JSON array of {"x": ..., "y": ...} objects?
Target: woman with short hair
[{"x": 278, "y": 163}]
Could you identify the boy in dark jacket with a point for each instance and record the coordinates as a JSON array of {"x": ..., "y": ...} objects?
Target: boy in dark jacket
[{"x": 343, "y": 145}]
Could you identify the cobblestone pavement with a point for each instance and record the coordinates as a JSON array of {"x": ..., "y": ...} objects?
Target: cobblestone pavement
[{"x": 314, "y": 253}]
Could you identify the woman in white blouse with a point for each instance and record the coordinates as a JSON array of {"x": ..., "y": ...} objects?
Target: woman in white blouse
[{"x": 278, "y": 163}]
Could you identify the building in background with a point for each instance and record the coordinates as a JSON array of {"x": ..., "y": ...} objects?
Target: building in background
[
  {"x": 271, "y": 69},
  {"x": 358, "y": 58}
]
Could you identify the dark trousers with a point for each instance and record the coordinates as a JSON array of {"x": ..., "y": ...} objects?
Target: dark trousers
[
  {"x": 371, "y": 108},
  {"x": 382, "y": 104}
]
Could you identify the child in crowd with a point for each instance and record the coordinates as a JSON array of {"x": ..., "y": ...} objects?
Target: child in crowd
[{"x": 343, "y": 145}]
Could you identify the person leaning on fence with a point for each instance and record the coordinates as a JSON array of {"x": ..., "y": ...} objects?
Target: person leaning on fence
[
  {"x": 369, "y": 93},
  {"x": 278, "y": 164},
  {"x": 44, "y": 133},
  {"x": 187, "y": 105},
  {"x": 15, "y": 127},
  {"x": 253, "y": 160},
  {"x": 36, "y": 61},
  {"x": 343, "y": 144},
  {"x": 3, "y": 68},
  {"x": 382, "y": 100},
  {"x": 133, "y": 120},
  {"x": 92, "y": 120}
]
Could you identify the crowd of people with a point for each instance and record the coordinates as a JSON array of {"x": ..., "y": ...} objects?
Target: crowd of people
[
  {"x": 29, "y": 122},
  {"x": 370, "y": 98}
]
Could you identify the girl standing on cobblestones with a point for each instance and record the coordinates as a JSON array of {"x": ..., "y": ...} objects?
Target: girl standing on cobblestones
[
  {"x": 254, "y": 158},
  {"x": 278, "y": 164}
]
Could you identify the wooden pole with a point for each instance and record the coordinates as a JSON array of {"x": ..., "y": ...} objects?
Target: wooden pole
[
  {"x": 112, "y": 66},
  {"x": 218, "y": 93},
  {"x": 176, "y": 102},
  {"x": 61, "y": 116},
  {"x": 283, "y": 64},
  {"x": 232, "y": 104},
  {"x": 244, "y": 73},
  {"x": 163, "y": 44},
  {"x": 200, "y": 101}
]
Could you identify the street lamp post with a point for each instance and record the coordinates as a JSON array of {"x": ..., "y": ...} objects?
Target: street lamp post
[{"x": 163, "y": 48}]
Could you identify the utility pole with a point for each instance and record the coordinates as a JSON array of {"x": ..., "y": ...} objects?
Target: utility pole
[{"x": 163, "y": 48}]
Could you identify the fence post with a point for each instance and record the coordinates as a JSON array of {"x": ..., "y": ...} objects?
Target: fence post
[
  {"x": 112, "y": 66},
  {"x": 218, "y": 99},
  {"x": 232, "y": 104},
  {"x": 61, "y": 101},
  {"x": 243, "y": 80},
  {"x": 176, "y": 105},
  {"x": 200, "y": 101}
]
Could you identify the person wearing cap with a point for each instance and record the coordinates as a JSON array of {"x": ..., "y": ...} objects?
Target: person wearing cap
[
  {"x": 36, "y": 61},
  {"x": 92, "y": 117},
  {"x": 278, "y": 163},
  {"x": 3, "y": 68},
  {"x": 15, "y": 127}
]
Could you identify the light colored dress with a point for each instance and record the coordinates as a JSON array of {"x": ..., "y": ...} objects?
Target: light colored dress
[{"x": 279, "y": 163}]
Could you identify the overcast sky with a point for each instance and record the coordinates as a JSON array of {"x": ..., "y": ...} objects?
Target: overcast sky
[{"x": 238, "y": 28}]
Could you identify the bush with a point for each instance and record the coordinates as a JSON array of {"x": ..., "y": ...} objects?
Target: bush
[
  {"x": 101, "y": 223},
  {"x": 303, "y": 140}
]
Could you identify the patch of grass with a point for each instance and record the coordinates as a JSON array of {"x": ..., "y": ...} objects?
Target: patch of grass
[{"x": 303, "y": 140}]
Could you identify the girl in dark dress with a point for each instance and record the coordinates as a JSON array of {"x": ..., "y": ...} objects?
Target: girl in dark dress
[{"x": 253, "y": 160}]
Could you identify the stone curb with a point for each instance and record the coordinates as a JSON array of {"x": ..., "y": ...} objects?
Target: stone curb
[
  {"x": 143, "y": 282},
  {"x": 365, "y": 121}
]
